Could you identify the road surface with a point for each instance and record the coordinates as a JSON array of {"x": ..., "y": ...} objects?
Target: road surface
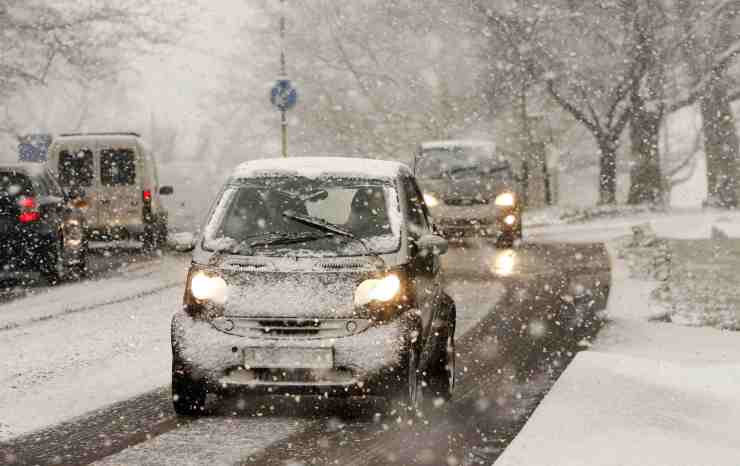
[{"x": 98, "y": 392}]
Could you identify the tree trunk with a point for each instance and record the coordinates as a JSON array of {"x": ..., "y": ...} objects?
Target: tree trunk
[
  {"x": 607, "y": 172},
  {"x": 721, "y": 146},
  {"x": 646, "y": 185}
]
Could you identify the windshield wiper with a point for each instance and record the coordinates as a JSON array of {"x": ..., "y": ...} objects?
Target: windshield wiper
[
  {"x": 323, "y": 225},
  {"x": 286, "y": 238}
]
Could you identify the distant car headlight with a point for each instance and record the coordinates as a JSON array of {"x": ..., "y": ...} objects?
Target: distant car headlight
[
  {"x": 505, "y": 200},
  {"x": 430, "y": 200},
  {"x": 210, "y": 288},
  {"x": 378, "y": 289}
]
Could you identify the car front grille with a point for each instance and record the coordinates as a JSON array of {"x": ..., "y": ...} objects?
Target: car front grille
[{"x": 292, "y": 327}]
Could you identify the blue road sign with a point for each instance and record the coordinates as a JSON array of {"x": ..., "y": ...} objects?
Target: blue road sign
[
  {"x": 283, "y": 95},
  {"x": 33, "y": 147}
]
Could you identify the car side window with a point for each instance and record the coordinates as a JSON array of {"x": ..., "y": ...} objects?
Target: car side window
[{"x": 415, "y": 211}]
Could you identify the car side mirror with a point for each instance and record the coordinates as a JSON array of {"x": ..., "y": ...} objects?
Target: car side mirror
[
  {"x": 183, "y": 242},
  {"x": 433, "y": 243},
  {"x": 166, "y": 190}
]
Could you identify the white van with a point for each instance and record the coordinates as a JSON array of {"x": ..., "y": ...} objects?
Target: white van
[{"x": 116, "y": 176}]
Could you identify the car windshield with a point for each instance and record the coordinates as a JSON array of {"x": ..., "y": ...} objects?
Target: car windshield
[
  {"x": 263, "y": 216},
  {"x": 461, "y": 161}
]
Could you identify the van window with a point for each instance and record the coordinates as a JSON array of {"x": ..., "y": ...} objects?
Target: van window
[
  {"x": 76, "y": 169},
  {"x": 117, "y": 167}
]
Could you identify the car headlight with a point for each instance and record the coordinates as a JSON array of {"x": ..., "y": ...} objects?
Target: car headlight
[
  {"x": 210, "y": 288},
  {"x": 378, "y": 289},
  {"x": 505, "y": 200},
  {"x": 430, "y": 200}
]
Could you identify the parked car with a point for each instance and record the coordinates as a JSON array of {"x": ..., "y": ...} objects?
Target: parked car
[
  {"x": 317, "y": 275},
  {"x": 118, "y": 173},
  {"x": 470, "y": 190},
  {"x": 41, "y": 232}
]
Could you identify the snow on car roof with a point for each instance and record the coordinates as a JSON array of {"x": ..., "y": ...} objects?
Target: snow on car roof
[
  {"x": 458, "y": 143},
  {"x": 315, "y": 167}
]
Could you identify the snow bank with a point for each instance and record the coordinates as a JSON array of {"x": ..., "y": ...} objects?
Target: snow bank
[
  {"x": 609, "y": 409},
  {"x": 647, "y": 393}
]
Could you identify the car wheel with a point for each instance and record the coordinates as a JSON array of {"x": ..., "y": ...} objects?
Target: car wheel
[
  {"x": 53, "y": 269},
  {"x": 188, "y": 395},
  {"x": 442, "y": 371},
  {"x": 411, "y": 390}
]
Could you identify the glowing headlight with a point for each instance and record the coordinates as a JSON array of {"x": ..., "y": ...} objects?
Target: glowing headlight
[
  {"x": 383, "y": 290},
  {"x": 430, "y": 200},
  {"x": 209, "y": 288},
  {"x": 505, "y": 200}
]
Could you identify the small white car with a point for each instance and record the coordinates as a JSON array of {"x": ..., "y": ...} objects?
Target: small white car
[
  {"x": 116, "y": 175},
  {"x": 318, "y": 275}
]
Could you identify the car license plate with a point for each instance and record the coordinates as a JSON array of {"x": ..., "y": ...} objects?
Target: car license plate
[{"x": 289, "y": 358}]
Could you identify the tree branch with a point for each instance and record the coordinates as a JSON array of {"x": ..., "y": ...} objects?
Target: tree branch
[{"x": 570, "y": 108}]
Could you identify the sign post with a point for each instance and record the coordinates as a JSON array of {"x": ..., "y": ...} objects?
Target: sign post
[{"x": 283, "y": 95}]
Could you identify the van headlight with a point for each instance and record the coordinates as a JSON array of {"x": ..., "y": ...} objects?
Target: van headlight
[
  {"x": 380, "y": 290},
  {"x": 505, "y": 200},
  {"x": 209, "y": 288}
]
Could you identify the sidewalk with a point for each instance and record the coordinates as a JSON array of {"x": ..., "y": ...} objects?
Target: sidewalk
[{"x": 646, "y": 393}]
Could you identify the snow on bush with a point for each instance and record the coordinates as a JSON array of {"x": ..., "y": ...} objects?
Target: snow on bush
[{"x": 696, "y": 279}]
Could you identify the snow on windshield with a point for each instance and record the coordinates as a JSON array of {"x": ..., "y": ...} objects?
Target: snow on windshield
[{"x": 269, "y": 215}]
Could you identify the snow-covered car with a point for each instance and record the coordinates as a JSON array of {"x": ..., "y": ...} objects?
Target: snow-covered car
[
  {"x": 316, "y": 275},
  {"x": 41, "y": 232},
  {"x": 470, "y": 190}
]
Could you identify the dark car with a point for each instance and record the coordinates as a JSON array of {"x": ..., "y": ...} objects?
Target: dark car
[
  {"x": 316, "y": 275},
  {"x": 470, "y": 190},
  {"x": 41, "y": 234}
]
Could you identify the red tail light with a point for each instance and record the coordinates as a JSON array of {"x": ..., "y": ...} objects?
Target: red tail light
[
  {"x": 28, "y": 217},
  {"x": 28, "y": 203},
  {"x": 147, "y": 195},
  {"x": 29, "y": 210}
]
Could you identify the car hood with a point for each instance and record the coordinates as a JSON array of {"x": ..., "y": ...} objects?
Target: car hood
[{"x": 312, "y": 289}]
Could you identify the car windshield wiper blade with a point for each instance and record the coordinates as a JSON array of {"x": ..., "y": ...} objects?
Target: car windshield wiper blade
[
  {"x": 288, "y": 238},
  {"x": 336, "y": 229},
  {"x": 457, "y": 170},
  {"x": 319, "y": 224}
]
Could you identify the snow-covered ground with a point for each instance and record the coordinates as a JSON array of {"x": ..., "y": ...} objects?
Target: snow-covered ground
[
  {"x": 647, "y": 393},
  {"x": 81, "y": 346}
]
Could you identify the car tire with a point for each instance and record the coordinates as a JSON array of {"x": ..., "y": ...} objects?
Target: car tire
[
  {"x": 409, "y": 387},
  {"x": 441, "y": 379},
  {"x": 53, "y": 267},
  {"x": 188, "y": 395}
]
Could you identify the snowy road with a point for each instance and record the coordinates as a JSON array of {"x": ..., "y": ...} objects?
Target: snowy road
[{"x": 87, "y": 370}]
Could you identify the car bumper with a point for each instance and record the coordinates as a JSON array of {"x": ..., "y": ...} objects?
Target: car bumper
[
  {"x": 363, "y": 363},
  {"x": 492, "y": 227}
]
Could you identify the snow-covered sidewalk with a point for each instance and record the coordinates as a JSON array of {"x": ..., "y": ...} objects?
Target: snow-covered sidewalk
[{"x": 647, "y": 393}]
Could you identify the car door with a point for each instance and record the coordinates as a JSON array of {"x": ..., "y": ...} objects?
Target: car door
[
  {"x": 424, "y": 267},
  {"x": 120, "y": 198}
]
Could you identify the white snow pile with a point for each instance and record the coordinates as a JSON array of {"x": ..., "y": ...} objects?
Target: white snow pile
[
  {"x": 566, "y": 215},
  {"x": 647, "y": 393},
  {"x": 611, "y": 409}
]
